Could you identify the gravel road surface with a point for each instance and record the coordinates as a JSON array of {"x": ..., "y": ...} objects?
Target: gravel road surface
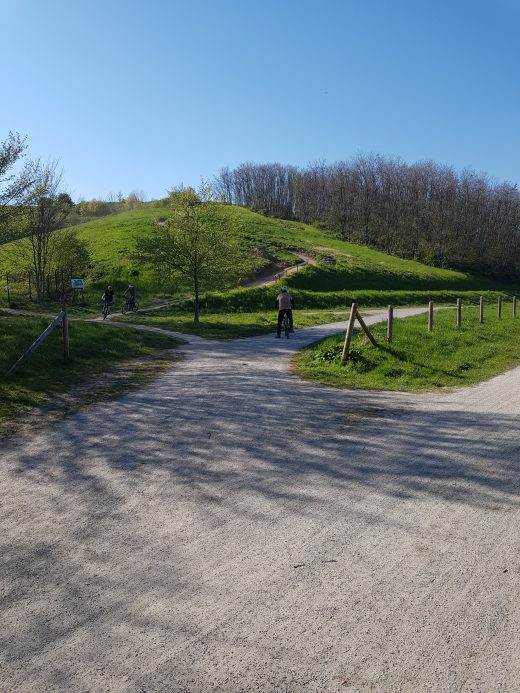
[{"x": 233, "y": 528}]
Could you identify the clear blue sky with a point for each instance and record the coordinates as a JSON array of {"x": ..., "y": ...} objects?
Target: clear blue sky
[{"x": 146, "y": 95}]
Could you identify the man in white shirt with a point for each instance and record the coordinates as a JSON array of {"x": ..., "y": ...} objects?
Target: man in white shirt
[{"x": 284, "y": 302}]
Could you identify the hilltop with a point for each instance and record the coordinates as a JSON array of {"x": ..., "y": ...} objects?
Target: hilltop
[{"x": 270, "y": 244}]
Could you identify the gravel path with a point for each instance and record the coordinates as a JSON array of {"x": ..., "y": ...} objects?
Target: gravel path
[{"x": 233, "y": 528}]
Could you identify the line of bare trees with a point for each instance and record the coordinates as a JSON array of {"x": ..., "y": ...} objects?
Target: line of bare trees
[
  {"x": 425, "y": 210},
  {"x": 32, "y": 201}
]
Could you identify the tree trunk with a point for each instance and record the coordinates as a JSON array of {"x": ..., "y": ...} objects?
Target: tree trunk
[{"x": 196, "y": 305}]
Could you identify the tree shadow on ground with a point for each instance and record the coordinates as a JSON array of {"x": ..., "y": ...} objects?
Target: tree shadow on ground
[{"x": 113, "y": 493}]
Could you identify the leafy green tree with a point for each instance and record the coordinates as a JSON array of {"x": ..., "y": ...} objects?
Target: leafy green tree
[
  {"x": 66, "y": 199},
  {"x": 13, "y": 186},
  {"x": 68, "y": 251},
  {"x": 193, "y": 244},
  {"x": 45, "y": 211}
]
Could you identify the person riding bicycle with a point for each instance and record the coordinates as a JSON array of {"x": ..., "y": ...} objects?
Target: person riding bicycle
[
  {"x": 108, "y": 300},
  {"x": 108, "y": 296},
  {"x": 285, "y": 303},
  {"x": 131, "y": 295}
]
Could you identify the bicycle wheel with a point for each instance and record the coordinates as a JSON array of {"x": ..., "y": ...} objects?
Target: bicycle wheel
[
  {"x": 286, "y": 328},
  {"x": 136, "y": 307},
  {"x": 105, "y": 312},
  {"x": 124, "y": 307}
]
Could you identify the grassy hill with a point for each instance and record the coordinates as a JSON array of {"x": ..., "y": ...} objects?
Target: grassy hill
[{"x": 342, "y": 266}]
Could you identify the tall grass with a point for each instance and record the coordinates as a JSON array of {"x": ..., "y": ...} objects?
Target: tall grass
[
  {"x": 418, "y": 360},
  {"x": 262, "y": 298},
  {"x": 94, "y": 348}
]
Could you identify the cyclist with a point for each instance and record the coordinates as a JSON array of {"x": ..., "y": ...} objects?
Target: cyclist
[
  {"x": 108, "y": 299},
  {"x": 285, "y": 303},
  {"x": 131, "y": 295}
]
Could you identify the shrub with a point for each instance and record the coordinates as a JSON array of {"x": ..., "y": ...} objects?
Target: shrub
[{"x": 262, "y": 298}]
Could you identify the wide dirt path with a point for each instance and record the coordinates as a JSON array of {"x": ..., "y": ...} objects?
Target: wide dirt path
[{"x": 233, "y": 528}]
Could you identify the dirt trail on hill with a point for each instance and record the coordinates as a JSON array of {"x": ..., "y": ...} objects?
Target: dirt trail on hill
[
  {"x": 281, "y": 272},
  {"x": 234, "y": 528}
]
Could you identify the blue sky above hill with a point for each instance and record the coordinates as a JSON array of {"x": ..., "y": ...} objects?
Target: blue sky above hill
[{"x": 146, "y": 95}]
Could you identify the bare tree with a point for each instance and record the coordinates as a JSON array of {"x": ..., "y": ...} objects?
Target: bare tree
[
  {"x": 425, "y": 211},
  {"x": 13, "y": 185},
  {"x": 45, "y": 211}
]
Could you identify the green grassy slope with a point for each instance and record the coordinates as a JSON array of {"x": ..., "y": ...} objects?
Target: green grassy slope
[
  {"x": 111, "y": 241},
  {"x": 418, "y": 360},
  {"x": 95, "y": 351},
  {"x": 342, "y": 266}
]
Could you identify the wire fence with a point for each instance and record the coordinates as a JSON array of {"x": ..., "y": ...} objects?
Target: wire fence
[
  {"x": 19, "y": 288},
  {"x": 355, "y": 315}
]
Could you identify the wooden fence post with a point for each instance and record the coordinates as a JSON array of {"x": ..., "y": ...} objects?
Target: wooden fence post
[
  {"x": 35, "y": 344},
  {"x": 481, "y": 310},
  {"x": 365, "y": 328},
  {"x": 74, "y": 292},
  {"x": 390, "y": 326},
  {"x": 430, "y": 316},
  {"x": 499, "y": 307},
  {"x": 30, "y": 289},
  {"x": 348, "y": 335},
  {"x": 65, "y": 324},
  {"x": 514, "y": 306},
  {"x": 354, "y": 315},
  {"x": 459, "y": 313},
  {"x": 8, "y": 289}
]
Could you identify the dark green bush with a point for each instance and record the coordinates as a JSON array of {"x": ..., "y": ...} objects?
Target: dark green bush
[{"x": 263, "y": 297}]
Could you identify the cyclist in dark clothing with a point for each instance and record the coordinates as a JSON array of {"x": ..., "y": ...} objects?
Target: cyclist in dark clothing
[
  {"x": 131, "y": 294},
  {"x": 108, "y": 300},
  {"x": 108, "y": 296},
  {"x": 285, "y": 303}
]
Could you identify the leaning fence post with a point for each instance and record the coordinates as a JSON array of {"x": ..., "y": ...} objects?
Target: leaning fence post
[
  {"x": 481, "y": 310},
  {"x": 389, "y": 329},
  {"x": 499, "y": 307},
  {"x": 65, "y": 323},
  {"x": 459, "y": 313},
  {"x": 365, "y": 328},
  {"x": 430, "y": 316},
  {"x": 514, "y": 306},
  {"x": 30, "y": 290},
  {"x": 35, "y": 344},
  {"x": 348, "y": 335}
]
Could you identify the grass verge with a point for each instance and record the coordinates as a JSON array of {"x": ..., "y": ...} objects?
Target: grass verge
[
  {"x": 103, "y": 363},
  {"x": 230, "y": 325},
  {"x": 417, "y": 360},
  {"x": 262, "y": 298}
]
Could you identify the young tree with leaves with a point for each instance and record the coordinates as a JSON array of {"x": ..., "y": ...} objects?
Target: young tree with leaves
[
  {"x": 13, "y": 186},
  {"x": 45, "y": 210},
  {"x": 193, "y": 244}
]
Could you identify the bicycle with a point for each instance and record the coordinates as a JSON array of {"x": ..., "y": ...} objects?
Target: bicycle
[
  {"x": 129, "y": 306},
  {"x": 106, "y": 309},
  {"x": 286, "y": 326}
]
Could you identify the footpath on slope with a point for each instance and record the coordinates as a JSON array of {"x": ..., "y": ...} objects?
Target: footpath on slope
[
  {"x": 281, "y": 272},
  {"x": 266, "y": 280}
]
